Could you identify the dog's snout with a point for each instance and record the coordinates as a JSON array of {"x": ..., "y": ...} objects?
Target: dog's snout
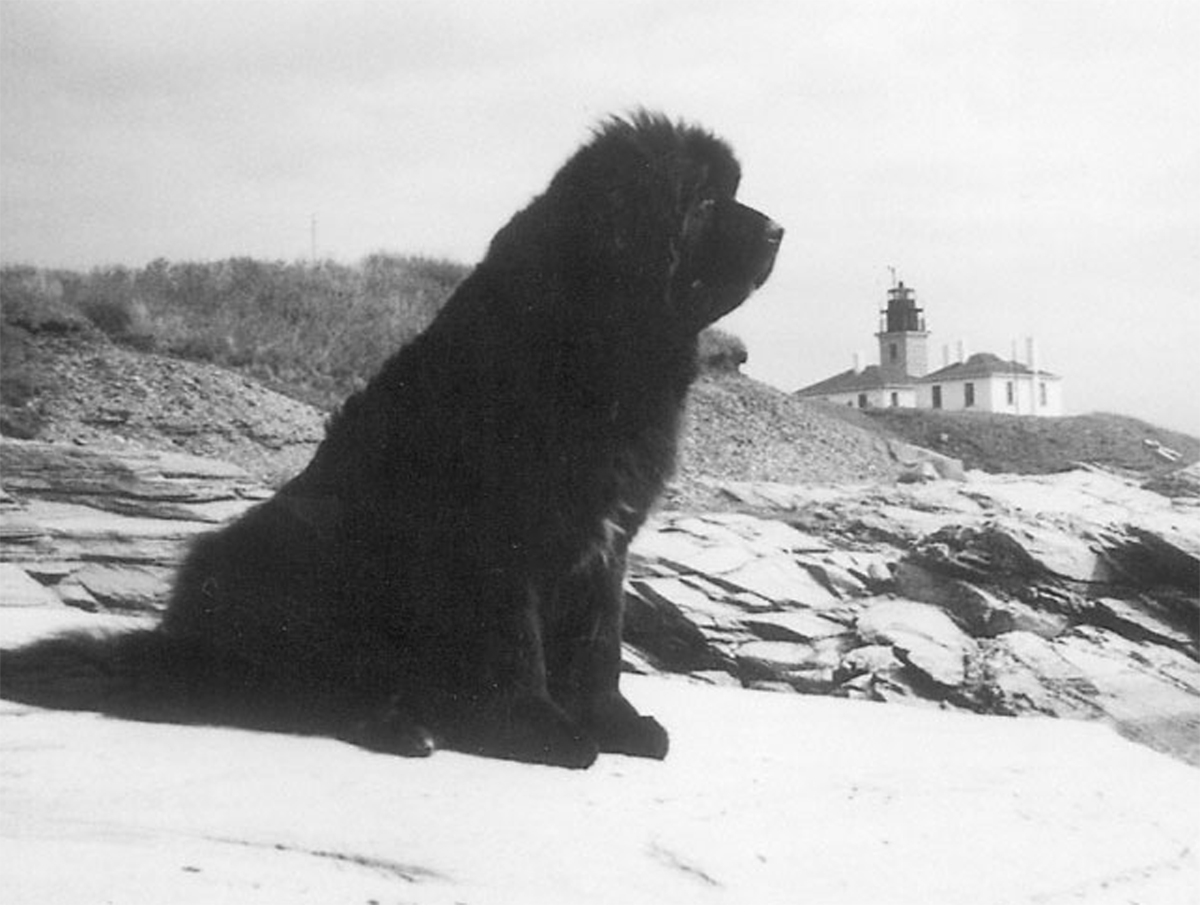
[{"x": 773, "y": 232}]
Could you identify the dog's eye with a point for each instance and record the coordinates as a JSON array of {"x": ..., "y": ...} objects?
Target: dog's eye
[{"x": 700, "y": 215}]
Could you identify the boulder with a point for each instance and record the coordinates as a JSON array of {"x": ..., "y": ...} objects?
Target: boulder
[
  {"x": 779, "y": 659},
  {"x": 922, "y": 636},
  {"x": 980, "y": 613},
  {"x": 872, "y": 659},
  {"x": 767, "y": 660},
  {"x": 1055, "y": 551},
  {"x": 1004, "y": 546},
  {"x": 920, "y": 464}
]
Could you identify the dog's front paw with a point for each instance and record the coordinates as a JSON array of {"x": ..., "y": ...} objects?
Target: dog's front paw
[{"x": 620, "y": 729}]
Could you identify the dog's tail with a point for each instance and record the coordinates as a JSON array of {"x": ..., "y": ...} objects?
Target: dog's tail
[
  {"x": 147, "y": 674},
  {"x": 140, "y": 673}
]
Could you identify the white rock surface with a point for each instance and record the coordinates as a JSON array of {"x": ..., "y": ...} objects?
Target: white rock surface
[
  {"x": 922, "y": 635},
  {"x": 764, "y": 799}
]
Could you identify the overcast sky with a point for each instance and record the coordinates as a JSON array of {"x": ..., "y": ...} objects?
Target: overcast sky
[{"x": 1029, "y": 167}]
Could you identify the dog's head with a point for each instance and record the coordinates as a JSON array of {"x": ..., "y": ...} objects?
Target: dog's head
[
  {"x": 726, "y": 250},
  {"x": 654, "y": 212},
  {"x": 641, "y": 230}
]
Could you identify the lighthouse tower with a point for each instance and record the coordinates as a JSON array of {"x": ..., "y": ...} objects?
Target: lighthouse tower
[{"x": 902, "y": 336}]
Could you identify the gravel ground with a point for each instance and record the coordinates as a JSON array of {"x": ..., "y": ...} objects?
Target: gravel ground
[
  {"x": 741, "y": 430},
  {"x": 88, "y": 390}
]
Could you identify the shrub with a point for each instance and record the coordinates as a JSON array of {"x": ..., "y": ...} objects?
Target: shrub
[
  {"x": 33, "y": 300},
  {"x": 721, "y": 352}
]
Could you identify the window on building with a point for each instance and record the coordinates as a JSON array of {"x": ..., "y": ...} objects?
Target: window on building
[
  {"x": 862, "y": 400},
  {"x": 1008, "y": 392},
  {"x": 1042, "y": 394},
  {"x": 895, "y": 400},
  {"x": 968, "y": 395},
  {"x": 937, "y": 397},
  {"x": 893, "y": 352}
]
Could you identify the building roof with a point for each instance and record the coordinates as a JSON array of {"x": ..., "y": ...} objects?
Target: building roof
[
  {"x": 851, "y": 381},
  {"x": 981, "y": 364}
]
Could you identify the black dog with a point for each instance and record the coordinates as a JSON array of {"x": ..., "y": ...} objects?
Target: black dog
[{"x": 448, "y": 569}]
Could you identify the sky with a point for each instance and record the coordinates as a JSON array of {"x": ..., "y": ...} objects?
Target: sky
[{"x": 1029, "y": 167}]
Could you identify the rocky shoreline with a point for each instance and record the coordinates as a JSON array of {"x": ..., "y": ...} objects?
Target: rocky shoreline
[{"x": 1070, "y": 595}]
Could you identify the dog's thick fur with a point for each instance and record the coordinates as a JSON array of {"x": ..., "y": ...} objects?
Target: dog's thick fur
[{"x": 448, "y": 569}]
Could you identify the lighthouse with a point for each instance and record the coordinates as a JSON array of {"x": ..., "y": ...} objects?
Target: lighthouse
[
  {"x": 902, "y": 336},
  {"x": 902, "y": 379}
]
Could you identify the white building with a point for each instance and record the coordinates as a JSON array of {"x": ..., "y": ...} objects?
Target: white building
[
  {"x": 982, "y": 382},
  {"x": 987, "y": 383}
]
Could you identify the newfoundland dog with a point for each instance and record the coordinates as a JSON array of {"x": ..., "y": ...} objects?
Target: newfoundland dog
[{"x": 448, "y": 570}]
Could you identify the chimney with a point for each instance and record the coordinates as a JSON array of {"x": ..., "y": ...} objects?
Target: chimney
[
  {"x": 1031, "y": 358},
  {"x": 962, "y": 351},
  {"x": 945, "y": 355},
  {"x": 858, "y": 363}
]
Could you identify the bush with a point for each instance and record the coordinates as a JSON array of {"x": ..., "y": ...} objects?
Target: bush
[
  {"x": 721, "y": 352},
  {"x": 32, "y": 300}
]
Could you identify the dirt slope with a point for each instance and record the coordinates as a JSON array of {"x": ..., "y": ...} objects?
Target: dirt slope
[
  {"x": 1023, "y": 445},
  {"x": 83, "y": 388},
  {"x": 78, "y": 386}
]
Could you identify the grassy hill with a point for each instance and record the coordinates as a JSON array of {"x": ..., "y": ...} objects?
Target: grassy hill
[
  {"x": 181, "y": 356},
  {"x": 311, "y": 329}
]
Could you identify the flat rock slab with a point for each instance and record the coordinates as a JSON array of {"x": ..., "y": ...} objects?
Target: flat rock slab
[
  {"x": 1056, "y": 551},
  {"x": 133, "y": 587},
  {"x": 764, "y": 798},
  {"x": 779, "y": 578},
  {"x": 158, "y": 484},
  {"x": 69, "y": 531},
  {"x": 1149, "y": 693},
  {"x": 796, "y": 625},
  {"x": 18, "y": 589},
  {"x": 923, "y": 635}
]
